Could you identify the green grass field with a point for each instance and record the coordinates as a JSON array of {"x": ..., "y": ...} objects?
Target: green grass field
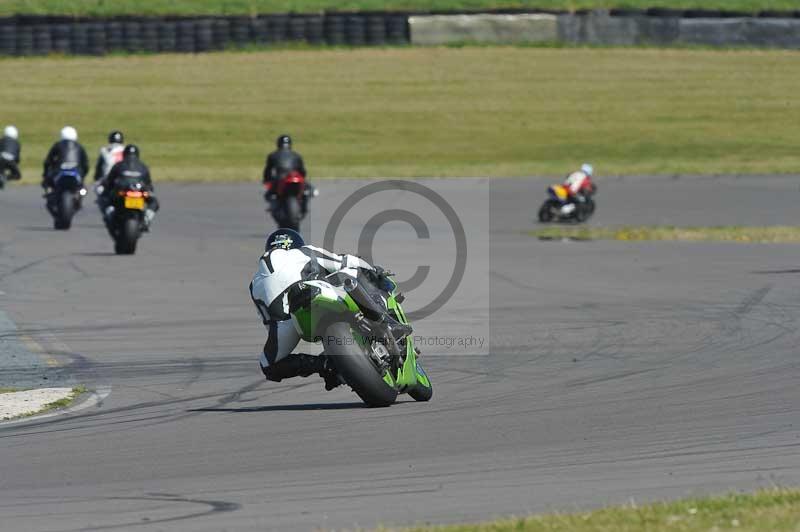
[
  {"x": 774, "y": 510},
  {"x": 192, "y": 7},
  {"x": 747, "y": 235},
  {"x": 405, "y": 112}
]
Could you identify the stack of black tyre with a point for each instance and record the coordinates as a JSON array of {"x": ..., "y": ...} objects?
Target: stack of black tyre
[{"x": 48, "y": 35}]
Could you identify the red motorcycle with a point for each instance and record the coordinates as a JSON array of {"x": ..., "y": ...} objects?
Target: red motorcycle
[{"x": 288, "y": 199}]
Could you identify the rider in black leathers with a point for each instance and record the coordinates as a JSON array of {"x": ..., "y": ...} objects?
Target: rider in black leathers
[
  {"x": 10, "y": 151},
  {"x": 130, "y": 167},
  {"x": 66, "y": 153}
]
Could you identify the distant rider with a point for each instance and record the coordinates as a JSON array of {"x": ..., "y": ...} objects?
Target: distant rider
[
  {"x": 110, "y": 155},
  {"x": 131, "y": 167},
  {"x": 579, "y": 184},
  {"x": 279, "y": 163},
  {"x": 9, "y": 152},
  {"x": 65, "y": 154},
  {"x": 288, "y": 261}
]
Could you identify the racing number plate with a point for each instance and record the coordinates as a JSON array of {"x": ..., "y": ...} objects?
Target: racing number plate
[{"x": 134, "y": 203}]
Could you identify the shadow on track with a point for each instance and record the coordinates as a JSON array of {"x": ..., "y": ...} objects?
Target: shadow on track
[{"x": 284, "y": 408}]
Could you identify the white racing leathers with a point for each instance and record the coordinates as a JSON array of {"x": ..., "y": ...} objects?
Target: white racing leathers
[
  {"x": 278, "y": 270},
  {"x": 109, "y": 156}
]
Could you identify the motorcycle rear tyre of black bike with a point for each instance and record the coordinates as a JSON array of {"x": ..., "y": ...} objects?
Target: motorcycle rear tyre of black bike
[
  {"x": 66, "y": 210},
  {"x": 355, "y": 366},
  {"x": 545, "y": 213},
  {"x": 125, "y": 243}
]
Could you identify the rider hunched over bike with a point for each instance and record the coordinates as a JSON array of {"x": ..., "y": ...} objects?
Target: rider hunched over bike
[
  {"x": 579, "y": 184},
  {"x": 66, "y": 154},
  {"x": 130, "y": 167},
  {"x": 279, "y": 163},
  {"x": 10, "y": 152},
  {"x": 289, "y": 261}
]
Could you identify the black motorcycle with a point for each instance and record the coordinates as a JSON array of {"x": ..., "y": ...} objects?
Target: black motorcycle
[
  {"x": 65, "y": 197},
  {"x": 127, "y": 220},
  {"x": 561, "y": 207},
  {"x": 8, "y": 169}
]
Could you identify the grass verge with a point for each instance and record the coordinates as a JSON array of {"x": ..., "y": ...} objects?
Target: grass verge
[
  {"x": 768, "y": 235},
  {"x": 410, "y": 112},
  {"x": 75, "y": 393},
  {"x": 768, "y": 510},
  {"x": 248, "y": 7}
]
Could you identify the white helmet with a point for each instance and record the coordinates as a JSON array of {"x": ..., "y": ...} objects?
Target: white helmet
[
  {"x": 587, "y": 169},
  {"x": 11, "y": 132},
  {"x": 69, "y": 133}
]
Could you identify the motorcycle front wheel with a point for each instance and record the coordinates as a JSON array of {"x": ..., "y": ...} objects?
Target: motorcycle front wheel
[{"x": 546, "y": 212}]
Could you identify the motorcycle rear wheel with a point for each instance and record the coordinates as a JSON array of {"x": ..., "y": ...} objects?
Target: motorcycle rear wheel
[
  {"x": 293, "y": 213},
  {"x": 356, "y": 367},
  {"x": 66, "y": 210},
  {"x": 127, "y": 237}
]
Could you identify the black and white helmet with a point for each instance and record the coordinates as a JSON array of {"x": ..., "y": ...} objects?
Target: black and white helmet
[
  {"x": 284, "y": 238},
  {"x": 116, "y": 137}
]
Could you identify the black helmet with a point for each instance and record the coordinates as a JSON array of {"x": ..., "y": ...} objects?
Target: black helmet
[
  {"x": 284, "y": 141},
  {"x": 131, "y": 150},
  {"x": 285, "y": 239},
  {"x": 115, "y": 137}
]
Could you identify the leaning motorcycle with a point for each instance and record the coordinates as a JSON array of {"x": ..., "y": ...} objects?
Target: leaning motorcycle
[
  {"x": 65, "y": 197},
  {"x": 364, "y": 355},
  {"x": 127, "y": 219},
  {"x": 291, "y": 196},
  {"x": 561, "y": 207}
]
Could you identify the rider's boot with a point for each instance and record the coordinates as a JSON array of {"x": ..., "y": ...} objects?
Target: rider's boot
[{"x": 294, "y": 365}]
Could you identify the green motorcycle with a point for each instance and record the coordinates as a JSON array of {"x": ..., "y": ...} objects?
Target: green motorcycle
[{"x": 363, "y": 354}]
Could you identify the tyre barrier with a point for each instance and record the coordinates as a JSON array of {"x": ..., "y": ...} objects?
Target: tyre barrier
[
  {"x": 315, "y": 29},
  {"x": 132, "y": 36},
  {"x": 333, "y": 30},
  {"x": 60, "y": 38},
  {"x": 220, "y": 33},
  {"x": 277, "y": 28},
  {"x": 355, "y": 31},
  {"x": 42, "y": 43},
  {"x": 167, "y": 36},
  {"x": 149, "y": 36},
  {"x": 97, "y": 38},
  {"x": 185, "y": 41},
  {"x": 204, "y": 35},
  {"x": 259, "y": 30},
  {"x": 34, "y": 35},
  {"x": 79, "y": 39},
  {"x": 240, "y": 31},
  {"x": 8, "y": 39}
]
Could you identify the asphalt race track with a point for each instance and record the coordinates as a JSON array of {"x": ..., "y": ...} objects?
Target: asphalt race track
[{"x": 613, "y": 370}]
